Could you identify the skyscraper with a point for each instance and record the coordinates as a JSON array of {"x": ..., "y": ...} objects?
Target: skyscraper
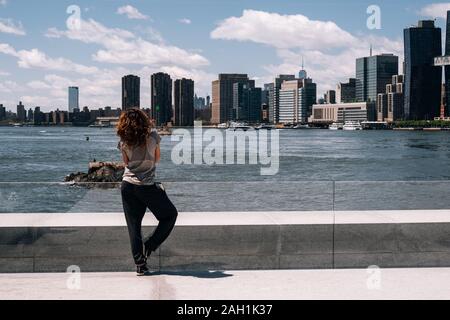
[
  {"x": 309, "y": 94},
  {"x": 222, "y": 96},
  {"x": 73, "y": 98},
  {"x": 422, "y": 89},
  {"x": 373, "y": 73},
  {"x": 330, "y": 97},
  {"x": 21, "y": 113},
  {"x": 274, "y": 98},
  {"x": 2, "y": 112},
  {"x": 184, "y": 102},
  {"x": 346, "y": 92},
  {"x": 447, "y": 68},
  {"x": 131, "y": 92},
  {"x": 161, "y": 91},
  {"x": 246, "y": 102}
]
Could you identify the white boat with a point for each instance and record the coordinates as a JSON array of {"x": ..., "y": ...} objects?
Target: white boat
[
  {"x": 302, "y": 126},
  {"x": 336, "y": 126},
  {"x": 239, "y": 126},
  {"x": 222, "y": 126},
  {"x": 265, "y": 127},
  {"x": 352, "y": 126}
]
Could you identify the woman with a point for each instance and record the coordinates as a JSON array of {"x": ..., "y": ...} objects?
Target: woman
[{"x": 140, "y": 151}]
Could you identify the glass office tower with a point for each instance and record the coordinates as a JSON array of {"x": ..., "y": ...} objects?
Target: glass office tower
[{"x": 423, "y": 80}]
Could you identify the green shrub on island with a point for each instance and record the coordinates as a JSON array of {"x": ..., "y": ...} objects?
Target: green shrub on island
[{"x": 422, "y": 124}]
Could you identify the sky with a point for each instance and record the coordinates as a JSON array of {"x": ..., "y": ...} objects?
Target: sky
[{"x": 48, "y": 45}]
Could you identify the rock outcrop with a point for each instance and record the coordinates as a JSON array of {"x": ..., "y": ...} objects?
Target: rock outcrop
[{"x": 101, "y": 174}]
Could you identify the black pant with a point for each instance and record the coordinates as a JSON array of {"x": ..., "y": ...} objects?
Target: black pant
[{"x": 136, "y": 199}]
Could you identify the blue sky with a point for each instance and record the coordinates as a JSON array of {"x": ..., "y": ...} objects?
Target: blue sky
[{"x": 40, "y": 56}]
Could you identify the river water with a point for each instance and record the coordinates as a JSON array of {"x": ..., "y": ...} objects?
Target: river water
[{"x": 318, "y": 170}]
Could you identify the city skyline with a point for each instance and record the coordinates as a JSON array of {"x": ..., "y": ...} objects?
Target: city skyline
[{"x": 41, "y": 57}]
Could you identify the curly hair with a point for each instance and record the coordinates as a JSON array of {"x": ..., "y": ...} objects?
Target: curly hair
[{"x": 134, "y": 127}]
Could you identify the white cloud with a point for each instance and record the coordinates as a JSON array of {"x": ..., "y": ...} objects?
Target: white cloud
[
  {"x": 8, "y": 86},
  {"x": 282, "y": 31},
  {"x": 9, "y": 26},
  {"x": 123, "y": 47},
  {"x": 4, "y": 73},
  {"x": 3, "y": 2},
  {"x": 35, "y": 58},
  {"x": 185, "y": 21},
  {"x": 131, "y": 12},
  {"x": 435, "y": 10},
  {"x": 329, "y": 51}
]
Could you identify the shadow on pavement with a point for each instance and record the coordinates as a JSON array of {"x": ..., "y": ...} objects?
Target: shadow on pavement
[{"x": 197, "y": 274}]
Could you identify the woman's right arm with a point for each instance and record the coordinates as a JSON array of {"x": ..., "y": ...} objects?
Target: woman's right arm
[
  {"x": 125, "y": 158},
  {"x": 157, "y": 154},
  {"x": 124, "y": 155}
]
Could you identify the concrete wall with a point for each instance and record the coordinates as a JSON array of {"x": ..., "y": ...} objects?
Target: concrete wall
[{"x": 238, "y": 240}]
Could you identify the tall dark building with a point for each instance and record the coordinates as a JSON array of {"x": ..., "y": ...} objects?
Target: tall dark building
[
  {"x": 447, "y": 69},
  {"x": 131, "y": 92},
  {"x": 373, "y": 73},
  {"x": 161, "y": 91},
  {"x": 21, "y": 113},
  {"x": 346, "y": 92},
  {"x": 422, "y": 89},
  {"x": 246, "y": 102},
  {"x": 2, "y": 112},
  {"x": 184, "y": 102},
  {"x": 222, "y": 96}
]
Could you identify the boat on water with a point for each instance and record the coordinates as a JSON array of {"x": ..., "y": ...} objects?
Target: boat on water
[
  {"x": 235, "y": 126},
  {"x": 265, "y": 127},
  {"x": 301, "y": 126},
  {"x": 17, "y": 125},
  {"x": 336, "y": 126},
  {"x": 222, "y": 126},
  {"x": 352, "y": 126}
]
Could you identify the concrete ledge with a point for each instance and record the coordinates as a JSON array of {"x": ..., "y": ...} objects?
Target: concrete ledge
[{"x": 230, "y": 240}]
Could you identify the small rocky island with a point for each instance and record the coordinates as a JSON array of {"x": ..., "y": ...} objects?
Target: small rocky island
[{"x": 100, "y": 174}]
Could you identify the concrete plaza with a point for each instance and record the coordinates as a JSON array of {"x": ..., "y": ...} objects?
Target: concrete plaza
[{"x": 405, "y": 283}]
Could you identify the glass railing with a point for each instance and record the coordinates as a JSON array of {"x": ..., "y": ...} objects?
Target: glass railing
[{"x": 200, "y": 196}]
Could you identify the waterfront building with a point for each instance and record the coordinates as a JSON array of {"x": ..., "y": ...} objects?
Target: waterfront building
[
  {"x": 296, "y": 98},
  {"x": 21, "y": 113},
  {"x": 265, "y": 93},
  {"x": 30, "y": 115},
  {"x": 443, "y": 101},
  {"x": 161, "y": 92},
  {"x": 346, "y": 91},
  {"x": 330, "y": 96},
  {"x": 446, "y": 104},
  {"x": 184, "y": 102},
  {"x": 247, "y": 102},
  {"x": 382, "y": 108},
  {"x": 222, "y": 96},
  {"x": 199, "y": 102},
  {"x": 2, "y": 112},
  {"x": 274, "y": 96},
  {"x": 309, "y": 96},
  {"x": 38, "y": 116},
  {"x": 73, "y": 98},
  {"x": 131, "y": 92},
  {"x": 422, "y": 89},
  {"x": 342, "y": 112},
  {"x": 373, "y": 73},
  {"x": 395, "y": 99}
]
